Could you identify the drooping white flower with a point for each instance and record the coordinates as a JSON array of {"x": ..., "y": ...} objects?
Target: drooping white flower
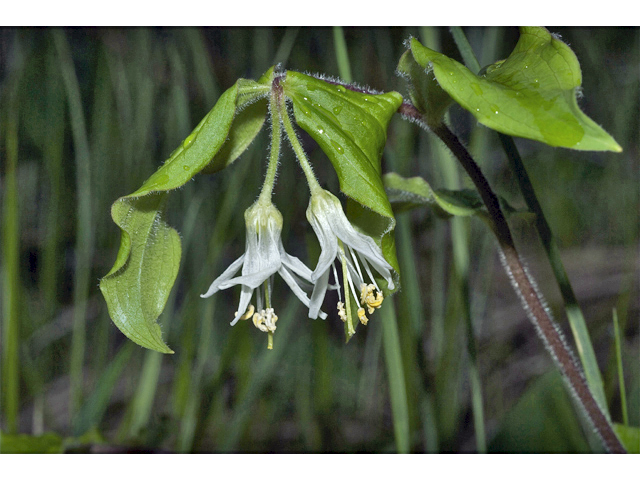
[
  {"x": 264, "y": 256},
  {"x": 339, "y": 240}
]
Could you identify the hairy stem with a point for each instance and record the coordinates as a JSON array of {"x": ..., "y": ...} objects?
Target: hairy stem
[
  {"x": 533, "y": 304},
  {"x": 276, "y": 136},
  {"x": 574, "y": 314}
]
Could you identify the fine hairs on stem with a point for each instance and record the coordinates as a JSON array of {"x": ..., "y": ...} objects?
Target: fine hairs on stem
[{"x": 521, "y": 281}]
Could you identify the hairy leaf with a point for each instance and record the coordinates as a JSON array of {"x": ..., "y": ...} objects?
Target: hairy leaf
[
  {"x": 138, "y": 286},
  {"x": 425, "y": 92},
  {"x": 531, "y": 94}
]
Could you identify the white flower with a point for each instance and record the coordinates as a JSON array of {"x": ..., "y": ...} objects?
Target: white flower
[
  {"x": 263, "y": 257},
  {"x": 339, "y": 240}
]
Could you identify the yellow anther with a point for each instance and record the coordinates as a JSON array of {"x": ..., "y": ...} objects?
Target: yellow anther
[
  {"x": 270, "y": 319},
  {"x": 248, "y": 314},
  {"x": 265, "y": 320},
  {"x": 341, "y": 313},
  {"x": 363, "y": 318},
  {"x": 368, "y": 298},
  {"x": 258, "y": 321}
]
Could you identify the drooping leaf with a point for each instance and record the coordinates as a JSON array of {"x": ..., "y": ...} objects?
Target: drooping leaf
[
  {"x": 408, "y": 193},
  {"x": 351, "y": 128},
  {"x": 531, "y": 94},
  {"x": 138, "y": 286}
]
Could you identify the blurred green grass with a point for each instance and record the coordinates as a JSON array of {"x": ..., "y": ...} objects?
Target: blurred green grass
[{"x": 140, "y": 92}]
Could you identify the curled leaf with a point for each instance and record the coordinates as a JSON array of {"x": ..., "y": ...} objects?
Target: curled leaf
[{"x": 138, "y": 286}]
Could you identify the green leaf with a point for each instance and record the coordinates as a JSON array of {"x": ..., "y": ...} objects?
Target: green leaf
[
  {"x": 531, "y": 94},
  {"x": 629, "y": 436},
  {"x": 407, "y": 193},
  {"x": 424, "y": 91},
  {"x": 138, "y": 286},
  {"x": 351, "y": 128}
]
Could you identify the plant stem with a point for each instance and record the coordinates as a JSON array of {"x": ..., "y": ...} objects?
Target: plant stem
[
  {"x": 295, "y": 143},
  {"x": 276, "y": 136},
  {"x": 395, "y": 372},
  {"x": 533, "y": 304},
  {"x": 574, "y": 314},
  {"x": 342, "y": 55}
]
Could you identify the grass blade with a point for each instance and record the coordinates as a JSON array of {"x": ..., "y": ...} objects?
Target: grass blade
[
  {"x": 84, "y": 232},
  {"x": 10, "y": 259},
  {"x": 342, "y": 54},
  {"x": 623, "y": 392},
  {"x": 395, "y": 375}
]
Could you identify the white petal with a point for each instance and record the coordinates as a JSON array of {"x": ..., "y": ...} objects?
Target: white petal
[
  {"x": 326, "y": 238},
  {"x": 251, "y": 280},
  {"x": 294, "y": 264},
  {"x": 227, "y": 274},
  {"x": 295, "y": 288},
  {"x": 319, "y": 291},
  {"x": 245, "y": 298}
]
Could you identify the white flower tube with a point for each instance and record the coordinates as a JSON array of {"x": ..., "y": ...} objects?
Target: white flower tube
[
  {"x": 339, "y": 240},
  {"x": 263, "y": 257}
]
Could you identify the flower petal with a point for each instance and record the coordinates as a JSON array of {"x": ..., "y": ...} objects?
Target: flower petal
[
  {"x": 317, "y": 296},
  {"x": 245, "y": 298},
  {"x": 295, "y": 288},
  {"x": 227, "y": 274}
]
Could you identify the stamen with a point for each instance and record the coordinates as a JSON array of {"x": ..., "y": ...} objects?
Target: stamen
[
  {"x": 368, "y": 269},
  {"x": 349, "y": 281},
  {"x": 367, "y": 297},
  {"x": 335, "y": 278},
  {"x": 270, "y": 320},
  {"x": 346, "y": 278},
  {"x": 258, "y": 321},
  {"x": 341, "y": 313},
  {"x": 355, "y": 260},
  {"x": 363, "y": 318},
  {"x": 248, "y": 313}
]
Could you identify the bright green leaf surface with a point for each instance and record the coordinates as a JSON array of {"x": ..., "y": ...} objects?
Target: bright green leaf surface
[
  {"x": 629, "y": 436},
  {"x": 138, "y": 286},
  {"x": 531, "y": 94},
  {"x": 351, "y": 129}
]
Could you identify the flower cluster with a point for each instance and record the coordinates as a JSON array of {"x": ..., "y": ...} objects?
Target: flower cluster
[
  {"x": 339, "y": 241},
  {"x": 265, "y": 256}
]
